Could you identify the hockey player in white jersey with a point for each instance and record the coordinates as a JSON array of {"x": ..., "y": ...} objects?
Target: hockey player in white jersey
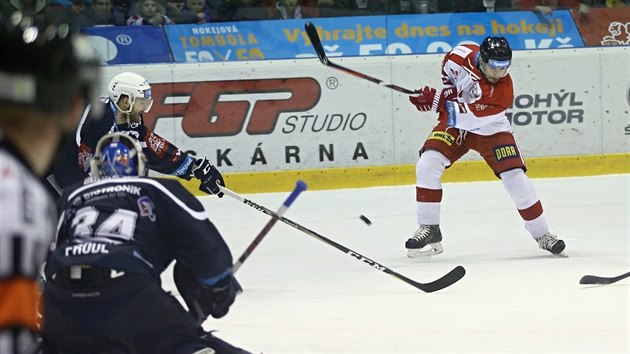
[
  {"x": 472, "y": 104},
  {"x": 118, "y": 232},
  {"x": 46, "y": 79}
]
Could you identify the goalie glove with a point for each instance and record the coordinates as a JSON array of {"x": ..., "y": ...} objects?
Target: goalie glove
[
  {"x": 210, "y": 178},
  {"x": 432, "y": 100},
  {"x": 202, "y": 300}
]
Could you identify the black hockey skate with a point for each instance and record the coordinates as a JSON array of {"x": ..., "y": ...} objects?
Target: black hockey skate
[
  {"x": 551, "y": 243},
  {"x": 426, "y": 235}
]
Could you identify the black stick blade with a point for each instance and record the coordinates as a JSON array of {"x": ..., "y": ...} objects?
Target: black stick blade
[
  {"x": 594, "y": 280},
  {"x": 311, "y": 32},
  {"x": 447, "y": 280}
]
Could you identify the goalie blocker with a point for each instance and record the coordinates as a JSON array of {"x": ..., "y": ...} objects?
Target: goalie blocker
[{"x": 202, "y": 300}]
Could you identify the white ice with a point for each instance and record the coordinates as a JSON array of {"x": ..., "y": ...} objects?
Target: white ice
[{"x": 302, "y": 295}]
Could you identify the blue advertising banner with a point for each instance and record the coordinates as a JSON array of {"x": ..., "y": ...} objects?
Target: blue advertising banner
[
  {"x": 372, "y": 35},
  {"x": 439, "y": 33},
  {"x": 233, "y": 41},
  {"x": 130, "y": 44}
]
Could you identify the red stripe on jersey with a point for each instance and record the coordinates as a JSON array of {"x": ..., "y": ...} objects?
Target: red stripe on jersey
[
  {"x": 532, "y": 212},
  {"x": 428, "y": 195}
]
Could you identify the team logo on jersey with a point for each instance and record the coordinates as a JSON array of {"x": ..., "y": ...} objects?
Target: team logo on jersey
[
  {"x": 85, "y": 154},
  {"x": 146, "y": 208},
  {"x": 442, "y": 136},
  {"x": 505, "y": 152},
  {"x": 77, "y": 201},
  {"x": 156, "y": 144}
]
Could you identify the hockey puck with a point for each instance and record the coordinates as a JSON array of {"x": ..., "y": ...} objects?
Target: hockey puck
[{"x": 365, "y": 219}]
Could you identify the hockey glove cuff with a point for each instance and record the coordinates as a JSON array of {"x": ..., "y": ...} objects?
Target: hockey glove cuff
[
  {"x": 222, "y": 296},
  {"x": 210, "y": 178},
  {"x": 203, "y": 300},
  {"x": 432, "y": 100}
]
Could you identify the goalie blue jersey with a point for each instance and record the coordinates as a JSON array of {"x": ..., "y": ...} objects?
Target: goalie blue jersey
[{"x": 137, "y": 225}]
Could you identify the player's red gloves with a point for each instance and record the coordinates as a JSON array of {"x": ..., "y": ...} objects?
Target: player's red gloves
[{"x": 432, "y": 100}]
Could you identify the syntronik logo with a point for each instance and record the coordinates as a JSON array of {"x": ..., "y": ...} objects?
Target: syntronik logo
[{"x": 224, "y": 108}]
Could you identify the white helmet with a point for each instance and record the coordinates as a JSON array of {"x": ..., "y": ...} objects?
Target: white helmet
[{"x": 133, "y": 86}]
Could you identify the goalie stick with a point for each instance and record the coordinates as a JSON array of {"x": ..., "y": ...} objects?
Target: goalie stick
[
  {"x": 447, "y": 280},
  {"x": 299, "y": 188},
  {"x": 311, "y": 32},
  {"x": 593, "y": 279},
  {"x": 199, "y": 314}
]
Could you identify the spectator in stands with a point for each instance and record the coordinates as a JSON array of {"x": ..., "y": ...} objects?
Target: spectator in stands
[
  {"x": 489, "y": 5},
  {"x": 412, "y": 6},
  {"x": 201, "y": 11},
  {"x": 74, "y": 7},
  {"x": 501, "y": 5},
  {"x": 368, "y": 7},
  {"x": 216, "y": 8},
  {"x": 461, "y": 6},
  {"x": 425, "y": 6},
  {"x": 288, "y": 9},
  {"x": 244, "y": 10},
  {"x": 100, "y": 13},
  {"x": 122, "y": 7},
  {"x": 330, "y": 8},
  {"x": 149, "y": 12},
  {"x": 615, "y": 3},
  {"x": 178, "y": 13},
  {"x": 546, "y": 7},
  {"x": 326, "y": 8}
]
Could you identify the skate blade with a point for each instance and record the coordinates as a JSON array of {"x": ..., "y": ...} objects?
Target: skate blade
[{"x": 433, "y": 249}]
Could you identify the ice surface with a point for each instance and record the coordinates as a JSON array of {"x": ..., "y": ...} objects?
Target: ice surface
[{"x": 304, "y": 296}]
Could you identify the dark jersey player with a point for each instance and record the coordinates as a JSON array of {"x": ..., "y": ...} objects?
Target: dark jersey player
[
  {"x": 117, "y": 232},
  {"x": 129, "y": 96}
]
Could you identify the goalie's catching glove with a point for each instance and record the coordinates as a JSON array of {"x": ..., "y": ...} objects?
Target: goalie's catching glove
[
  {"x": 210, "y": 178},
  {"x": 432, "y": 100}
]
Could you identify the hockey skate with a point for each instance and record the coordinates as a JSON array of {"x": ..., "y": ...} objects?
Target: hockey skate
[
  {"x": 551, "y": 243},
  {"x": 426, "y": 235}
]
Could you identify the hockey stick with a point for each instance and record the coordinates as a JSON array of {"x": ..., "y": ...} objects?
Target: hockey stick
[
  {"x": 593, "y": 279},
  {"x": 447, "y": 280},
  {"x": 311, "y": 31},
  {"x": 299, "y": 188}
]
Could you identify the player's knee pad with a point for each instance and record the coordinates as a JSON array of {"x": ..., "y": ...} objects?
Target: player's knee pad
[
  {"x": 520, "y": 188},
  {"x": 429, "y": 169}
]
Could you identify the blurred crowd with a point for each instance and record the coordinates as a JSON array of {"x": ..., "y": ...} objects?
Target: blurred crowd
[{"x": 162, "y": 12}]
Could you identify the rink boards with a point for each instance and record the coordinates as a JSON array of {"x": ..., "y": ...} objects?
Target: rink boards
[{"x": 267, "y": 123}]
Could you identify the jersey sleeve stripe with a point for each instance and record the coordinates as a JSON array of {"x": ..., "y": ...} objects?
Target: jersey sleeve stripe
[{"x": 199, "y": 215}]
